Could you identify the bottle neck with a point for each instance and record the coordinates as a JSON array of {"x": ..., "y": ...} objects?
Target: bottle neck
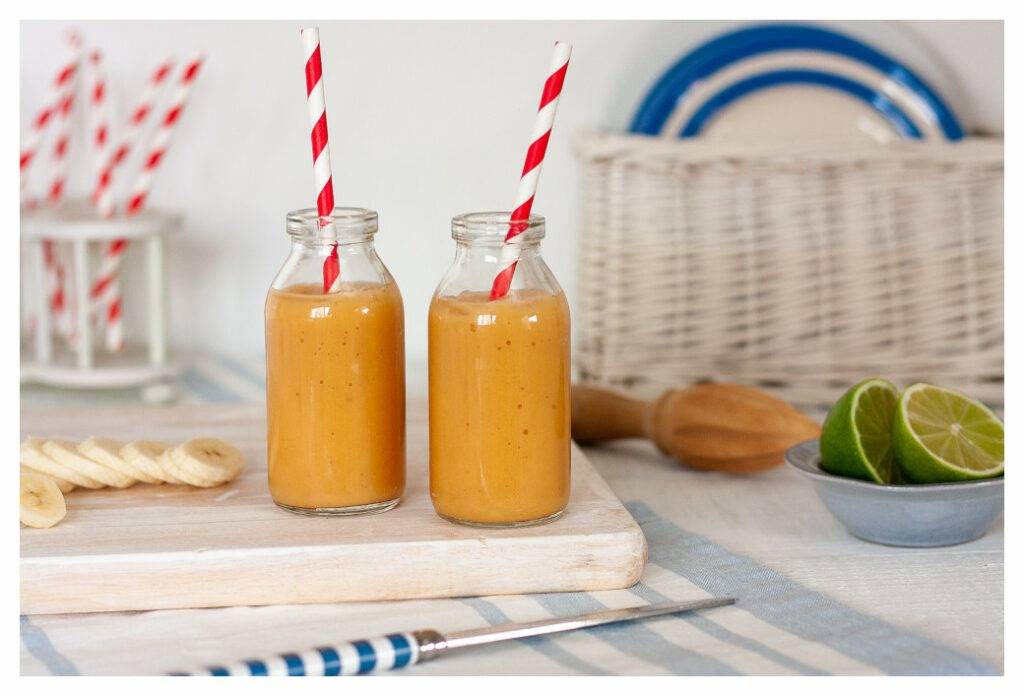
[
  {"x": 477, "y": 264},
  {"x": 346, "y": 234},
  {"x": 343, "y": 226},
  {"x": 481, "y": 253},
  {"x": 490, "y": 253},
  {"x": 326, "y": 245},
  {"x": 357, "y": 262}
]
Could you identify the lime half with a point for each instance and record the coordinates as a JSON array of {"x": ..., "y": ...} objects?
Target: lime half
[
  {"x": 856, "y": 439},
  {"x": 942, "y": 435}
]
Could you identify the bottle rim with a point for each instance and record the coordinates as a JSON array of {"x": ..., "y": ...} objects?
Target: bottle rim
[
  {"x": 491, "y": 227},
  {"x": 344, "y": 224}
]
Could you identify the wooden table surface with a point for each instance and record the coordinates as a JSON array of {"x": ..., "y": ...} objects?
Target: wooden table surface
[
  {"x": 952, "y": 594},
  {"x": 768, "y": 531}
]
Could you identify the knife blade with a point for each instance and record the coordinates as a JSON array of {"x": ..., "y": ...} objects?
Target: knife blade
[{"x": 397, "y": 650}]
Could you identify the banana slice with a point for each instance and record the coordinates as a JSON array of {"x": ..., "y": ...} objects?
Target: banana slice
[
  {"x": 33, "y": 456},
  {"x": 66, "y": 453},
  {"x": 205, "y": 462},
  {"x": 145, "y": 455},
  {"x": 190, "y": 478},
  {"x": 64, "y": 486},
  {"x": 108, "y": 453},
  {"x": 42, "y": 503}
]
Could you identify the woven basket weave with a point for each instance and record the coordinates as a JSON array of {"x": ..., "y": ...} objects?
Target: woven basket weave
[{"x": 801, "y": 271}]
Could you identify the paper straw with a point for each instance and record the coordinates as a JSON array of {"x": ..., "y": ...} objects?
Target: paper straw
[
  {"x": 316, "y": 104},
  {"x": 59, "y": 152},
  {"x": 99, "y": 112},
  {"x": 114, "y": 337},
  {"x": 103, "y": 193},
  {"x": 60, "y": 85},
  {"x": 158, "y": 148},
  {"x": 106, "y": 293},
  {"x": 53, "y": 110},
  {"x": 66, "y": 103},
  {"x": 531, "y": 168},
  {"x": 101, "y": 291},
  {"x": 55, "y": 286},
  {"x": 106, "y": 288},
  {"x": 61, "y": 116}
]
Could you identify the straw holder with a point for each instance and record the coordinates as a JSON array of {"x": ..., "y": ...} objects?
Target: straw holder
[{"x": 82, "y": 363}]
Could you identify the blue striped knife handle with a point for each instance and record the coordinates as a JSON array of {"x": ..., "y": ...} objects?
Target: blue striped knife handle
[{"x": 392, "y": 651}]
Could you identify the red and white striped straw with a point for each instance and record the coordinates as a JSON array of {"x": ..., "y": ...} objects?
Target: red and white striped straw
[
  {"x": 59, "y": 152},
  {"x": 106, "y": 288},
  {"x": 316, "y": 103},
  {"x": 106, "y": 293},
  {"x": 103, "y": 193},
  {"x": 55, "y": 277},
  {"x": 99, "y": 111},
  {"x": 65, "y": 105},
  {"x": 531, "y": 168},
  {"x": 60, "y": 85},
  {"x": 61, "y": 116},
  {"x": 158, "y": 147}
]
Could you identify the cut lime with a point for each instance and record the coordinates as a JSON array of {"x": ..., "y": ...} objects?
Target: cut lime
[
  {"x": 942, "y": 435},
  {"x": 856, "y": 439}
]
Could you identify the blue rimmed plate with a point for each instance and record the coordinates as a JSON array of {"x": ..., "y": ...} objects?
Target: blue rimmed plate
[{"x": 791, "y": 80}]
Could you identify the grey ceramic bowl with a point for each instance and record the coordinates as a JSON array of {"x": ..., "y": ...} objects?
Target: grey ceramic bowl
[{"x": 936, "y": 514}]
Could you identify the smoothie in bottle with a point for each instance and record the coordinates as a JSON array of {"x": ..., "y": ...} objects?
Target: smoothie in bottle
[
  {"x": 499, "y": 383},
  {"x": 335, "y": 373}
]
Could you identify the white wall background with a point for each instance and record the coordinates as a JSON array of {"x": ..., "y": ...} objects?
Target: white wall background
[{"x": 427, "y": 119}]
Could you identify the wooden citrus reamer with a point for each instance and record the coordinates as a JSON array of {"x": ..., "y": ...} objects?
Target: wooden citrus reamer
[{"x": 717, "y": 426}]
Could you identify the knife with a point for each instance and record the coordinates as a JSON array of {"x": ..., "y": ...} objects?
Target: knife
[{"x": 397, "y": 650}]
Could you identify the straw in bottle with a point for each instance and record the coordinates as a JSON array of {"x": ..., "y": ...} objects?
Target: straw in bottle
[
  {"x": 531, "y": 168},
  {"x": 316, "y": 104}
]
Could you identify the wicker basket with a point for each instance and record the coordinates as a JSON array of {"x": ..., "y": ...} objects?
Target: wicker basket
[{"x": 801, "y": 270}]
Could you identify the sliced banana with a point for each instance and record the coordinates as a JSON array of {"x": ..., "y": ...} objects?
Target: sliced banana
[
  {"x": 145, "y": 455},
  {"x": 108, "y": 453},
  {"x": 66, "y": 453},
  {"x": 189, "y": 478},
  {"x": 64, "y": 486},
  {"x": 33, "y": 456},
  {"x": 42, "y": 503},
  {"x": 205, "y": 461}
]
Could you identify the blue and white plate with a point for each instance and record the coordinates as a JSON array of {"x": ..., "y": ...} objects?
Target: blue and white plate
[{"x": 786, "y": 81}]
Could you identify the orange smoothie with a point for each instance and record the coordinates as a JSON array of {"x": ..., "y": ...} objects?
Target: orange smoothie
[
  {"x": 499, "y": 407},
  {"x": 335, "y": 396}
]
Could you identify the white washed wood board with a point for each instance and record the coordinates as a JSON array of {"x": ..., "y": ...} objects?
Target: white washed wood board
[{"x": 160, "y": 547}]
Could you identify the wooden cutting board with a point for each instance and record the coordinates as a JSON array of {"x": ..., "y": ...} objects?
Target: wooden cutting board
[{"x": 160, "y": 547}]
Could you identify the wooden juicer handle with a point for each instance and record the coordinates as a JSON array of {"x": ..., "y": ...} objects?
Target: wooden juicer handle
[{"x": 713, "y": 425}]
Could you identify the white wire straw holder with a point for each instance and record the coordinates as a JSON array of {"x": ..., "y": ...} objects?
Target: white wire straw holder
[{"x": 83, "y": 363}]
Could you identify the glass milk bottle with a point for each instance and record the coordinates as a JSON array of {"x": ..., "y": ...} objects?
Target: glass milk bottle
[
  {"x": 499, "y": 382},
  {"x": 335, "y": 372}
]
